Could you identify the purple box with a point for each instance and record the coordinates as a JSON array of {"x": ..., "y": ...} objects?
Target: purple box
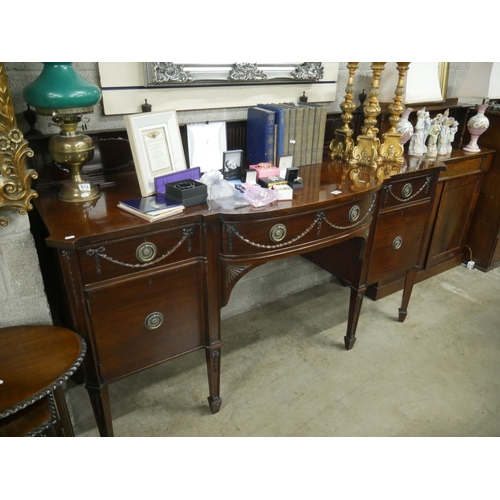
[{"x": 189, "y": 173}]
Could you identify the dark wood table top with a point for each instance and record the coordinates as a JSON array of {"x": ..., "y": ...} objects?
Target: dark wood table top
[
  {"x": 35, "y": 360},
  {"x": 74, "y": 224}
]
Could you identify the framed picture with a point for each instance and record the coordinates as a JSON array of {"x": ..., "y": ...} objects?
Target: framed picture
[
  {"x": 284, "y": 163},
  {"x": 206, "y": 145},
  {"x": 231, "y": 165},
  {"x": 156, "y": 146}
]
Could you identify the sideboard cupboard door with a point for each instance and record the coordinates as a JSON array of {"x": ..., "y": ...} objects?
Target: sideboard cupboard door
[
  {"x": 457, "y": 203},
  {"x": 142, "y": 321},
  {"x": 397, "y": 241}
]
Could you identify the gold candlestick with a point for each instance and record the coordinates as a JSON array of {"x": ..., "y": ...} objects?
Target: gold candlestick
[
  {"x": 366, "y": 150},
  {"x": 391, "y": 149},
  {"x": 341, "y": 146}
]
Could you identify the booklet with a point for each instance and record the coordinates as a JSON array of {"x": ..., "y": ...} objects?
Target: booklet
[{"x": 151, "y": 208}]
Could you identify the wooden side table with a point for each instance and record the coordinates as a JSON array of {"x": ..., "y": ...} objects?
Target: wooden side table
[{"x": 35, "y": 360}]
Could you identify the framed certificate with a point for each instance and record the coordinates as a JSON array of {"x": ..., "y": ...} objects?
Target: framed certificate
[{"x": 156, "y": 146}]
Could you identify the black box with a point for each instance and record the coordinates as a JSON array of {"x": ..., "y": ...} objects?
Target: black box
[{"x": 188, "y": 192}]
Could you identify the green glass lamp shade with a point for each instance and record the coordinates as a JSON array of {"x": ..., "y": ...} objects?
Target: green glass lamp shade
[{"x": 60, "y": 87}]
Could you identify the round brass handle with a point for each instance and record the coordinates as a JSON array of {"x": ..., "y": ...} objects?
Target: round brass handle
[
  {"x": 277, "y": 233},
  {"x": 354, "y": 213},
  {"x": 153, "y": 320},
  {"x": 146, "y": 252},
  {"x": 407, "y": 190},
  {"x": 396, "y": 244}
]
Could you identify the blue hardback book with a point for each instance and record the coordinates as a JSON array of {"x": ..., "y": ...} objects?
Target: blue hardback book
[
  {"x": 260, "y": 135},
  {"x": 280, "y": 116}
]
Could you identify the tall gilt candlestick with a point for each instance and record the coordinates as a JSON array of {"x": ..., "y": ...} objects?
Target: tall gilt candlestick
[
  {"x": 366, "y": 150},
  {"x": 342, "y": 145},
  {"x": 391, "y": 149}
]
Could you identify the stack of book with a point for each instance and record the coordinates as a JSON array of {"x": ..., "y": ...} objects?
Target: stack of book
[
  {"x": 151, "y": 208},
  {"x": 275, "y": 130}
]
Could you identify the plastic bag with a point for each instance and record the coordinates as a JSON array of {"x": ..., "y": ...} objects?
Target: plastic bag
[
  {"x": 218, "y": 187},
  {"x": 232, "y": 202},
  {"x": 258, "y": 196}
]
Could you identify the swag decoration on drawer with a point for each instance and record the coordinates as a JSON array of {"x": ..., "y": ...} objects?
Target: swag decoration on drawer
[
  {"x": 406, "y": 191},
  {"x": 145, "y": 254},
  {"x": 278, "y": 232}
]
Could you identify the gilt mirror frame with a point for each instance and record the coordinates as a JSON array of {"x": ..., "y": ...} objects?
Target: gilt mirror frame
[
  {"x": 444, "y": 70},
  {"x": 15, "y": 178}
]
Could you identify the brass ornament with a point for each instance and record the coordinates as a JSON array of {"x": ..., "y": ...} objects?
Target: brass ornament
[
  {"x": 15, "y": 178},
  {"x": 341, "y": 146},
  {"x": 366, "y": 151},
  {"x": 391, "y": 149}
]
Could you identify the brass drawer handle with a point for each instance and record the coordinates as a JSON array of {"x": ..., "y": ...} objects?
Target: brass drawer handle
[
  {"x": 407, "y": 190},
  {"x": 277, "y": 233},
  {"x": 396, "y": 244},
  {"x": 354, "y": 213},
  {"x": 146, "y": 252},
  {"x": 153, "y": 320}
]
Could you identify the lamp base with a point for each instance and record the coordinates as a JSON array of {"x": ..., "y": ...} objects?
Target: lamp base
[
  {"x": 72, "y": 150},
  {"x": 78, "y": 191}
]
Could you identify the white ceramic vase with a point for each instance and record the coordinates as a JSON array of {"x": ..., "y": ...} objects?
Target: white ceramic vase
[
  {"x": 476, "y": 126},
  {"x": 404, "y": 127}
]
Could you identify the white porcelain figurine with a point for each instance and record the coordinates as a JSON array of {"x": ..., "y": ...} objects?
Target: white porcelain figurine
[
  {"x": 433, "y": 137},
  {"x": 417, "y": 145}
]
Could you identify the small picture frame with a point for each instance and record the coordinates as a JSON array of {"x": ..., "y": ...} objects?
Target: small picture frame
[
  {"x": 284, "y": 163},
  {"x": 206, "y": 145},
  {"x": 156, "y": 145},
  {"x": 231, "y": 164}
]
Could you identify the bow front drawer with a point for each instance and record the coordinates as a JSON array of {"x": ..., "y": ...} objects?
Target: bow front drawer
[{"x": 291, "y": 232}]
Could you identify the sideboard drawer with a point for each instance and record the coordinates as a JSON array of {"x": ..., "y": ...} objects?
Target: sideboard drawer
[
  {"x": 464, "y": 166},
  {"x": 397, "y": 241},
  {"x": 406, "y": 191},
  {"x": 125, "y": 256},
  {"x": 141, "y": 321},
  {"x": 242, "y": 238}
]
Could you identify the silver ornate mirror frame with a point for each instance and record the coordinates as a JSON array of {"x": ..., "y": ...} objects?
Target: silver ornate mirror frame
[{"x": 169, "y": 74}]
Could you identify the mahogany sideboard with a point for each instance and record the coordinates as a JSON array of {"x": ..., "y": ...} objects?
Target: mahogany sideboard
[
  {"x": 453, "y": 208},
  {"x": 141, "y": 293},
  {"x": 483, "y": 238}
]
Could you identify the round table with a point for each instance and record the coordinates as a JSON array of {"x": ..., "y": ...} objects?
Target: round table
[{"x": 35, "y": 361}]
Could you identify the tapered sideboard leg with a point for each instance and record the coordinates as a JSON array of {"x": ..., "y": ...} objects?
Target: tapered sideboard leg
[
  {"x": 411, "y": 276},
  {"x": 213, "y": 369},
  {"x": 99, "y": 398},
  {"x": 352, "y": 322}
]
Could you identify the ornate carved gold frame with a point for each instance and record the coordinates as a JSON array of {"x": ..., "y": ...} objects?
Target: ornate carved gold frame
[
  {"x": 444, "y": 70},
  {"x": 15, "y": 178}
]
